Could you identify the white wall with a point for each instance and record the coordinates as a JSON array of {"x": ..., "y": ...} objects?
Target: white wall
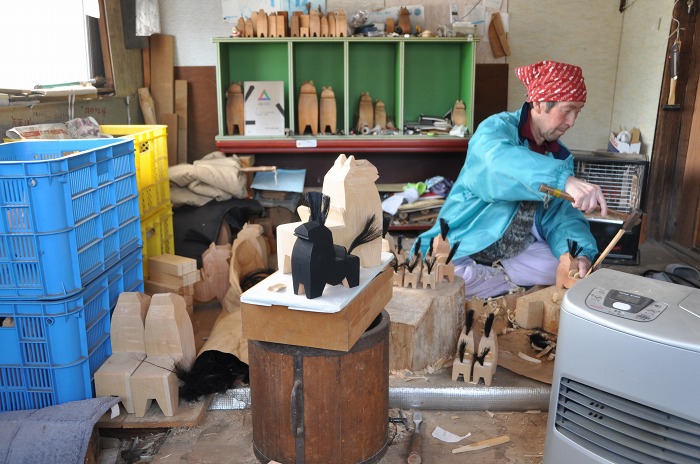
[{"x": 622, "y": 55}]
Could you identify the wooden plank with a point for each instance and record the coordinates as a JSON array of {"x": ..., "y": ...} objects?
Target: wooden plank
[
  {"x": 169, "y": 279},
  {"x": 201, "y": 120},
  {"x": 146, "y": 57},
  {"x": 126, "y": 64},
  {"x": 162, "y": 74},
  {"x": 170, "y": 120},
  {"x": 147, "y": 107},
  {"x": 104, "y": 43},
  {"x": 181, "y": 110},
  {"x": 189, "y": 414}
]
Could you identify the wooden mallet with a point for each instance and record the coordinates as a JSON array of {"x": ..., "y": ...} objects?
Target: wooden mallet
[{"x": 612, "y": 214}]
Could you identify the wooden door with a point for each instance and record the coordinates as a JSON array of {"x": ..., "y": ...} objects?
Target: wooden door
[{"x": 673, "y": 199}]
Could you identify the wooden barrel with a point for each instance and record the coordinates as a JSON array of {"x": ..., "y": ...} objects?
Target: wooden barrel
[{"x": 315, "y": 406}]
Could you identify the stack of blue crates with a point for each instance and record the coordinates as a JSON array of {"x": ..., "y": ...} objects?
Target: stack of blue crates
[{"x": 70, "y": 243}]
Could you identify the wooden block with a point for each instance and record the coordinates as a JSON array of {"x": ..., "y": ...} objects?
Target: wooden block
[
  {"x": 152, "y": 381},
  {"x": 550, "y": 300},
  {"x": 152, "y": 287},
  {"x": 281, "y": 26},
  {"x": 294, "y": 26},
  {"x": 380, "y": 114},
  {"x": 261, "y": 30},
  {"x": 341, "y": 25},
  {"x": 314, "y": 24},
  {"x": 181, "y": 110},
  {"x": 365, "y": 120},
  {"x": 308, "y": 108},
  {"x": 249, "y": 28},
  {"x": 168, "y": 329},
  {"x": 180, "y": 281},
  {"x": 425, "y": 324},
  {"x": 172, "y": 264},
  {"x": 331, "y": 25},
  {"x": 529, "y": 314},
  {"x": 235, "y": 119},
  {"x": 328, "y": 111},
  {"x": 336, "y": 331},
  {"x": 215, "y": 274},
  {"x": 272, "y": 25}
]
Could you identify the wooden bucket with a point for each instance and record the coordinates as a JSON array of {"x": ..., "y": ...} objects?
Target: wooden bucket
[{"x": 315, "y": 406}]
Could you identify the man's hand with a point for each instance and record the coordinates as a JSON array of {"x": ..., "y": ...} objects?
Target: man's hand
[
  {"x": 586, "y": 195},
  {"x": 584, "y": 264}
]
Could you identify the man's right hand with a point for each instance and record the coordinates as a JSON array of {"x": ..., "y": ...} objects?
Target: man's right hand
[{"x": 586, "y": 195}]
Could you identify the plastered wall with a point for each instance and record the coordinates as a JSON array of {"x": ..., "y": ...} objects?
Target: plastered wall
[{"x": 622, "y": 55}]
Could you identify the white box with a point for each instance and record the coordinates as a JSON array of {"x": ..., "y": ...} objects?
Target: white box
[
  {"x": 615, "y": 145},
  {"x": 264, "y": 107}
]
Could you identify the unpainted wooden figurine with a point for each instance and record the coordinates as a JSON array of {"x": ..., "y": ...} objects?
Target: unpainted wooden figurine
[
  {"x": 414, "y": 270},
  {"x": 341, "y": 24},
  {"x": 404, "y": 21},
  {"x": 466, "y": 345},
  {"x": 331, "y": 25},
  {"x": 328, "y": 111},
  {"x": 459, "y": 114},
  {"x": 235, "y": 119},
  {"x": 567, "y": 271},
  {"x": 261, "y": 30},
  {"x": 350, "y": 184},
  {"x": 365, "y": 114},
  {"x": 308, "y": 108},
  {"x": 294, "y": 25},
  {"x": 314, "y": 24},
  {"x": 379, "y": 114}
]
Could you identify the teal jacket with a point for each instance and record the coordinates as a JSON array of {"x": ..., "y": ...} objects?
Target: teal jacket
[{"x": 501, "y": 171}]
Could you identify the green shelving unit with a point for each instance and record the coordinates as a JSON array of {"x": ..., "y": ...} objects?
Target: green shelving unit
[{"x": 412, "y": 76}]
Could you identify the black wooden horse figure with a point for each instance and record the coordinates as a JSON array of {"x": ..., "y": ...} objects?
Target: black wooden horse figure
[{"x": 316, "y": 261}]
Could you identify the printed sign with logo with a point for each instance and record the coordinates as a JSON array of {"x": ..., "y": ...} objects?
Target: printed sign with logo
[{"x": 264, "y": 107}]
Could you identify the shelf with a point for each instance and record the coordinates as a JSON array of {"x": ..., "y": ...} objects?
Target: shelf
[{"x": 411, "y": 76}]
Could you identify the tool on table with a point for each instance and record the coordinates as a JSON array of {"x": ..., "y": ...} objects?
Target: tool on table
[
  {"x": 612, "y": 214},
  {"x": 634, "y": 218},
  {"x": 415, "y": 454}
]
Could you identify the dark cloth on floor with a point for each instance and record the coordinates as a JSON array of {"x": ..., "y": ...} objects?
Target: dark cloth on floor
[{"x": 196, "y": 227}]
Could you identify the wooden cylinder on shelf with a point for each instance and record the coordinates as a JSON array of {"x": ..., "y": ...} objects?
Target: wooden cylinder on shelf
[{"x": 319, "y": 406}]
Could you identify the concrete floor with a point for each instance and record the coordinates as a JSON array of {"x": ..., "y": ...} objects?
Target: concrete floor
[{"x": 226, "y": 435}]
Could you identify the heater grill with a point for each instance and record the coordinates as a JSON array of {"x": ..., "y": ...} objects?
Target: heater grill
[
  {"x": 621, "y": 430},
  {"x": 622, "y": 183}
]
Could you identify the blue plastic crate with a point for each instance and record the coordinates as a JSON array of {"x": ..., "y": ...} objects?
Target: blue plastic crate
[
  {"x": 69, "y": 210},
  {"x": 51, "y": 349}
]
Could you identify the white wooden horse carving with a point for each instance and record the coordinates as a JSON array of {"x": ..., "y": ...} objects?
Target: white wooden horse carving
[{"x": 350, "y": 184}]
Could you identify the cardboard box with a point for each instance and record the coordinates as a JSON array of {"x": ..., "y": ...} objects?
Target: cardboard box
[
  {"x": 633, "y": 146},
  {"x": 335, "y": 331},
  {"x": 264, "y": 107}
]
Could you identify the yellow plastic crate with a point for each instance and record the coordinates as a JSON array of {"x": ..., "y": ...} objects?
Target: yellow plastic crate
[
  {"x": 157, "y": 235},
  {"x": 151, "y": 153}
]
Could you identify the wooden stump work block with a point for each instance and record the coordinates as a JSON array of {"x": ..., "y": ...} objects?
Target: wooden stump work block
[
  {"x": 308, "y": 108},
  {"x": 425, "y": 325}
]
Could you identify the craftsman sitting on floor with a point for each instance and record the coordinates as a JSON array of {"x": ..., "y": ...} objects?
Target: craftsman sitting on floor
[{"x": 495, "y": 208}]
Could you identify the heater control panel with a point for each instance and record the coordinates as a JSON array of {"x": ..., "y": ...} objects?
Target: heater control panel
[{"x": 624, "y": 304}]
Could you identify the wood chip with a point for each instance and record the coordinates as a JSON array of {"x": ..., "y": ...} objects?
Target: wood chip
[{"x": 525, "y": 357}]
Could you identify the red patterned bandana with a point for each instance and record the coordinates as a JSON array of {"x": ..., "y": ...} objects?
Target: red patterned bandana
[{"x": 553, "y": 81}]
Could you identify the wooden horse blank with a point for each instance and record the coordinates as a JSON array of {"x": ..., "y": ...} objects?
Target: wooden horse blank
[
  {"x": 380, "y": 114},
  {"x": 567, "y": 271},
  {"x": 308, "y": 108},
  {"x": 113, "y": 378},
  {"x": 169, "y": 342}
]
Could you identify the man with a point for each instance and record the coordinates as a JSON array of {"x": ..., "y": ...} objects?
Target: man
[{"x": 510, "y": 233}]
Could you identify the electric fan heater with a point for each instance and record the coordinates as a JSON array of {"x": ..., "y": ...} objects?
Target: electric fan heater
[{"x": 626, "y": 383}]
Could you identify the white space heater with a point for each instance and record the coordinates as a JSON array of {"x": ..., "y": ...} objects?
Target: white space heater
[{"x": 626, "y": 384}]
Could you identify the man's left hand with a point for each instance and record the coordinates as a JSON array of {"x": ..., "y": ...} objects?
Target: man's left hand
[{"x": 584, "y": 264}]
